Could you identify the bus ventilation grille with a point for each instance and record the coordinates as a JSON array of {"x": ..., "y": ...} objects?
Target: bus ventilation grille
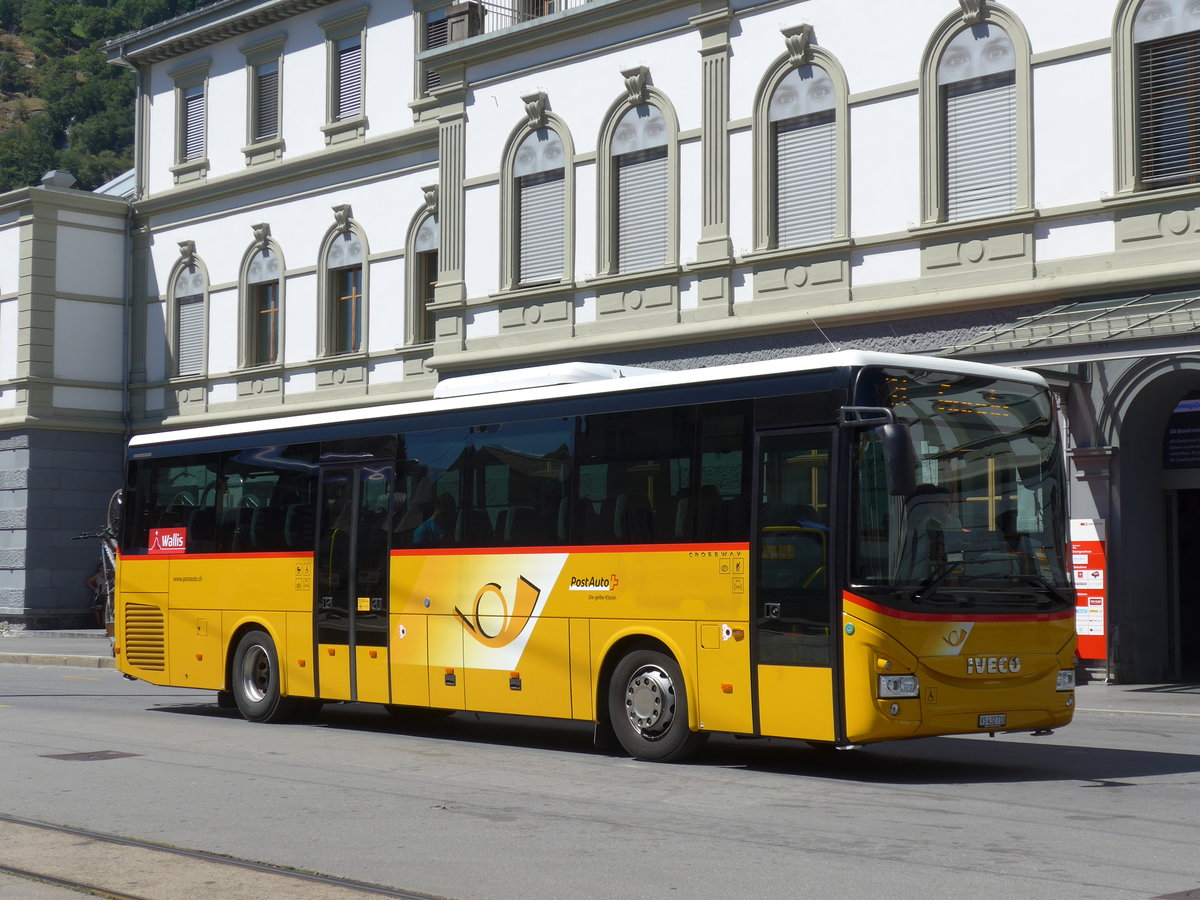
[{"x": 145, "y": 638}]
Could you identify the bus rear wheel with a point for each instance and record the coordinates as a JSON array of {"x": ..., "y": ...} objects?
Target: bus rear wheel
[
  {"x": 255, "y": 680},
  {"x": 648, "y": 708}
]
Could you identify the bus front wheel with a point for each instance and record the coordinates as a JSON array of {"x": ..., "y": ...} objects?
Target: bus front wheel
[
  {"x": 255, "y": 680},
  {"x": 648, "y": 708}
]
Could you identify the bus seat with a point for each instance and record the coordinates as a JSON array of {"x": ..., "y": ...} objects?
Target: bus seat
[
  {"x": 633, "y": 520},
  {"x": 523, "y": 527},
  {"x": 298, "y": 527},
  {"x": 266, "y": 529},
  {"x": 476, "y": 528}
]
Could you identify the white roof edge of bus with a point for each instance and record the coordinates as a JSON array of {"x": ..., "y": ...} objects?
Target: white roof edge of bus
[
  {"x": 658, "y": 378},
  {"x": 534, "y": 376}
]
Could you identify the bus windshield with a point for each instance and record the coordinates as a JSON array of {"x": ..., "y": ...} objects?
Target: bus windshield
[{"x": 984, "y": 520}]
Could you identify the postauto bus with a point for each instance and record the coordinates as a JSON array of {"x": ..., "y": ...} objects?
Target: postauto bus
[{"x": 843, "y": 548}]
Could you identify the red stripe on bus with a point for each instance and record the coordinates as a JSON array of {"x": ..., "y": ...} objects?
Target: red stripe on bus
[
  {"x": 955, "y": 617},
  {"x": 598, "y": 548},
  {"x": 159, "y": 557}
]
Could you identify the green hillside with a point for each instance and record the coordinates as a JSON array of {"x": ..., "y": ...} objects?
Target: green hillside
[{"x": 62, "y": 105}]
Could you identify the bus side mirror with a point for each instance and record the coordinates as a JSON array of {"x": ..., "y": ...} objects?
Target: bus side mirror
[{"x": 900, "y": 462}]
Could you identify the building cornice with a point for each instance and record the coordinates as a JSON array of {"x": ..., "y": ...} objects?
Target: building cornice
[
  {"x": 400, "y": 145},
  {"x": 202, "y": 27}
]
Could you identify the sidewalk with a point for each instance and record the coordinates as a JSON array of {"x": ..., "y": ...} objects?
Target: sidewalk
[{"x": 88, "y": 648}]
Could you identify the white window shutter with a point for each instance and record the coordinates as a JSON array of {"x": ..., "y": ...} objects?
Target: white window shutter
[
  {"x": 266, "y": 121},
  {"x": 349, "y": 78},
  {"x": 193, "y": 123},
  {"x": 806, "y": 181},
  {"x": 541, "y": 227},
  {"x": 1168, "y": 93},
  {"x": 981, "y": 149},
  {"x": 642, "y": 210},
  {"x": 189, "y": 350}
]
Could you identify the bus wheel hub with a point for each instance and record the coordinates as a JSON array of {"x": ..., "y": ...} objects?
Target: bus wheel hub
[{"x": 650, "y": 701}]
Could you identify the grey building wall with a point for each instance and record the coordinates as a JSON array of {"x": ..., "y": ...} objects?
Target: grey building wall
[{"x": 53, "y": 485}]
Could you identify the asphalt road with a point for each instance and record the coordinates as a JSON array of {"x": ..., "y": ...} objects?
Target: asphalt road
[{"x": 492, "y": 807}]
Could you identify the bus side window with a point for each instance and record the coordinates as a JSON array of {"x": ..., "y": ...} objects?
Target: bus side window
[{"x": 635, "y": 472}]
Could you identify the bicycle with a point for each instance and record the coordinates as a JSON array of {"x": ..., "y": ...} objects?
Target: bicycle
[{"x": 103, "y": 583}]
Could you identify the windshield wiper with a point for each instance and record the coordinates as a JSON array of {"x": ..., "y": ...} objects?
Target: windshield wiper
[
  {"x": 928, "y": 588},
  {"x": 1050, "y": 588}
]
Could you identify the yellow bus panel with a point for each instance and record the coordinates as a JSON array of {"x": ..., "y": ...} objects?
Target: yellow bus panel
[
  {"x": 141, "y": 575},
  {"x": 196, "y": 649},
  {"x": 583, "y": 700},
  {"x": 796, "y": 702},
  {"x": 371, "y": 674},
  {"x": 539, "y": 686},
  {"x": 723, "y": 694},
  {"x": 333, "y": 671},
  {"x": 409, "y": 659},
  {"x": 296, "y": 657},
  {"x": 447, "y": 677}
]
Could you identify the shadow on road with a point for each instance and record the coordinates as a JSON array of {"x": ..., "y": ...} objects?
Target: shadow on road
[{"x": 926, "y": 761}]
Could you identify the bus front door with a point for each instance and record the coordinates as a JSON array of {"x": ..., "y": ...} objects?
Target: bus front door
[
  {"x": 351, "y": 588},
  {"x": 793, "y": 607}
]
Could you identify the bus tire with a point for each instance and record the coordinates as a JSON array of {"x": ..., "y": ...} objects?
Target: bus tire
[
  {"x": 648, "y": 708},
  {"x": 255, "y": 680}
]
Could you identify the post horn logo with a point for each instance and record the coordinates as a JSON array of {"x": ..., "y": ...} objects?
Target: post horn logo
[{"x": 492, "y": 620}]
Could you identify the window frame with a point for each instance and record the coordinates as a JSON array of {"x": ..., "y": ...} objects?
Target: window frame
[
  {"x": 175, "y": 301},
  {"x": 607, "y": 206},
  {"x": 1127, "y": 172},
  {"x": 329, "y": 300},
  {"x": 262, "y": 53},
  {"x": 766, "y": 236},
  {"x": 193, "y": 77},
  {"x": 248, "y": 326},
  {"x": 337, "y": 29},
  {"x": 420, "y": 326},
  {"x": 933, "y": 137},
  {"x": 510, "y": 215}
]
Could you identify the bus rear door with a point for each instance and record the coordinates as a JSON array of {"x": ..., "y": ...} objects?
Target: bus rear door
[
  {"x": 793, "y": 609},
  {"x": 351, "y": 590}
]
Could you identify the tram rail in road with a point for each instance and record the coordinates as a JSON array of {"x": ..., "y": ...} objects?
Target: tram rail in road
[{"x": 107, "y": 865}]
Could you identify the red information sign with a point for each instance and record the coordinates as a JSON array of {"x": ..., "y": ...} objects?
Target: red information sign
[
  {"x": 1090, "y": 570},
  {"x": 168, "y": 540}
]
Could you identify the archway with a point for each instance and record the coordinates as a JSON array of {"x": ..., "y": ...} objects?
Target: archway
[{"x": 1154, "y": 535}]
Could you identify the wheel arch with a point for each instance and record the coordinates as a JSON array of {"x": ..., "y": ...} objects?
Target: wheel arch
[
  {"x": 240, "y": 630},
  {"x": 625, "y": 642}
]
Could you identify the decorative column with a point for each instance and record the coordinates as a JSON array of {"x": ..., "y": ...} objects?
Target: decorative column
[
  {"x": 450, "y": 294},
  {"x": 715, "y": 247}
]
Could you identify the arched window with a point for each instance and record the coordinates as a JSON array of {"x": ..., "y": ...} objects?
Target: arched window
[
  {"x": 801, "y": 116},
  {"x": 424, "y": 239},
  {"x": 976, "y": 80},
  {"x": 262, "y": 310},
  {"x": 344, "y": 309},
  {"x": 638, "y": 180},
  {"x": 1166, "y": 43},
  {"x": 641, "y": 189},
  {"x": 539, "y": 198},
  {"x": 976, "y": 108},
  {"x": 189, "y": 305}
]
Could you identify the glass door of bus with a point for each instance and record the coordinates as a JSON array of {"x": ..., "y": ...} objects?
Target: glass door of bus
[
  {"x": 794, "y": 626},
  {"x": 351, "y": 589}
]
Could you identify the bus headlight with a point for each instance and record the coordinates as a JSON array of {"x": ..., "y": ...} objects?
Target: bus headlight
[
  {"x": 899, "y": 686},
  {"x": 1066, "y": 680}
]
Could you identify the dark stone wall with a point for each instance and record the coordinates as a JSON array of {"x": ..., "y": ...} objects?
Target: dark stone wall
[{"x": 53, "y": 485}]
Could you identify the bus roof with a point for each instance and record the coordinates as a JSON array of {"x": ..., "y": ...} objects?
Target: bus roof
[{"x": 568, "y": 380}]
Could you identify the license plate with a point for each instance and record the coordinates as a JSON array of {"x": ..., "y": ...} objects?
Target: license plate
[{"x": 996, "y": 720}]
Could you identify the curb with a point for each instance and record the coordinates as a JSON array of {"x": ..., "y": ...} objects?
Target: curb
[{"x": 58, "y": 659}]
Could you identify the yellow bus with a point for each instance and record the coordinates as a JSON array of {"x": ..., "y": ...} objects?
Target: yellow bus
[{"x": 844, "y": 548}]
